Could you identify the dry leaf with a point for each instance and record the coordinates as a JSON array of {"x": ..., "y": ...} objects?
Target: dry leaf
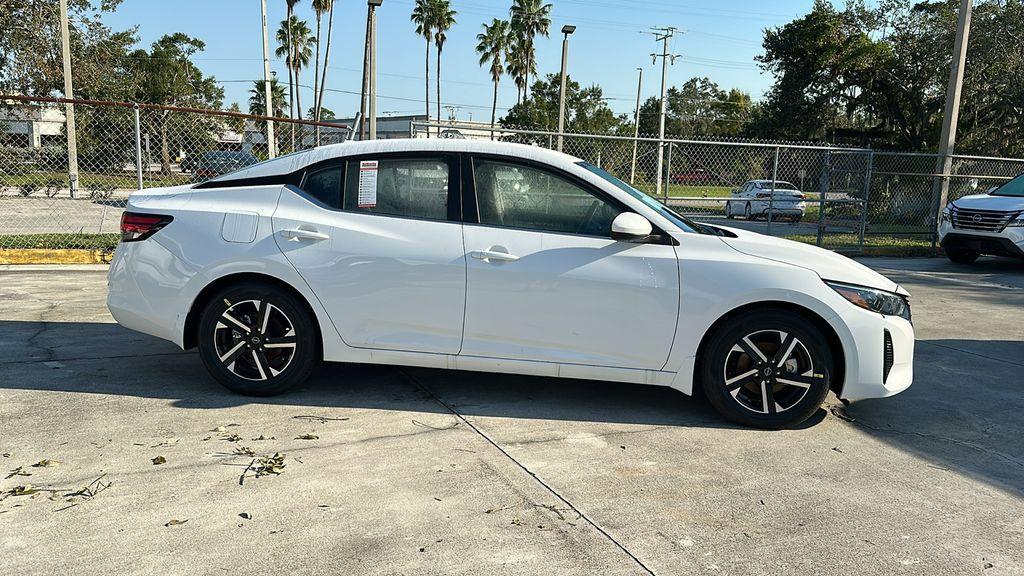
[
  {"x": 245, "y": 515},
  {"x": 307, "y": 437},
  {"x": 232, "y": 438},
  {"x": 244, "y": 451},
  {"x": 159, "y": 460},
  {"x": 19, "y": 471},
  {"x": 44, "y": 463},
  {"x": 175, "y": 522},
  {"x": 23, "y": 490}
]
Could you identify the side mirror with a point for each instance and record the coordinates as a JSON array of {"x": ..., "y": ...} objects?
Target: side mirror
[{"x": 631, "y": 227}]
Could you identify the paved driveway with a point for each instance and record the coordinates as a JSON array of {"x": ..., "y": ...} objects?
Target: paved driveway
[{"x": 402, "y": 471}]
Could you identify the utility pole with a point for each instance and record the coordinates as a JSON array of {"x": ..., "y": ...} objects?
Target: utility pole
[
  {"x": 69, "y": 108},
  {"x": 662, "y": 35},
  {"x": 365, "y": 93},
  {"x": 267, "y": 94},
  {"x": 944, "y": 163},
  {"x": 373, "y": 4},
  {"x": 636, "y": 125},
  {"x": 566, "y": 31}
]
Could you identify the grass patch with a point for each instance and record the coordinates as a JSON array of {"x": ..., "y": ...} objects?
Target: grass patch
[
  {"x": 89, "y": 179},
  {"x": 56, "y": 241},
  {"x": 874, "y": 245}
]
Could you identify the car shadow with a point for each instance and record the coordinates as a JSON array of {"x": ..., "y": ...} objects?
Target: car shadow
[{"x": 962, "y": 413}]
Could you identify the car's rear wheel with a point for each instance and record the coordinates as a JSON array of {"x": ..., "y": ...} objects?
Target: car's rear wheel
[
  {"x": 257, "y": 339},
  {"x": 728, "y": 211},
  {"x": 961, "y": 256},
  {"x": 746, "y": 212},
  {"x": 769, "y": 369}
]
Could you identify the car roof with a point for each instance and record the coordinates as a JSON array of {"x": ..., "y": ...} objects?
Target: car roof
[
  {"x": 769, "y": 181},
  {"x": 298, "y": 160}
]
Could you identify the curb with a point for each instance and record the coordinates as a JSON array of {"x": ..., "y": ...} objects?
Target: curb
[{"x": 48, "y": 256}]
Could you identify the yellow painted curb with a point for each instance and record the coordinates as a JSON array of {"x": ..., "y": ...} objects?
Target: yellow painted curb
[{"x": 46, "y": 256}]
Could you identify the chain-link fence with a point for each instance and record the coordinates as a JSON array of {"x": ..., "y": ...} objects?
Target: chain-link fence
[
  {"x": 45, "y": 202},
  {"x": 840, "y": 198}
]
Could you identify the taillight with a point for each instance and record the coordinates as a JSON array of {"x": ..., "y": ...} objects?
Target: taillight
[
  {"x": 800, "y": 196},
  {"x": 135, "y": 226}
]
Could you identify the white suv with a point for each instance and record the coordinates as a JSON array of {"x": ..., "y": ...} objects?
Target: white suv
[{"x": 990, "y": 223}]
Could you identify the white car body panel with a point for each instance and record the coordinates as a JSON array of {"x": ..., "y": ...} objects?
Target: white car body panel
[{"x": 402, "y": 291}]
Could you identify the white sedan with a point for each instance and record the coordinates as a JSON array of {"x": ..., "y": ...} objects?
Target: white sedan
[
  {"x": 498, "y": 257},
  {"x": 756, "y": 197}
]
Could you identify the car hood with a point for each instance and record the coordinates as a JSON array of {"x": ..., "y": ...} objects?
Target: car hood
[
  {"x": 990, "y": 202},
  {"x": 826, "y": 264}
]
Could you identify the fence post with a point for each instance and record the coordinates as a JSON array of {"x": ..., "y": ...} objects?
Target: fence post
[
  {"x": 138, "y": 147},
  {"x": 771, "y": 197},
  {"x": 867, "y": 194},
  {"x": 668, "y": 174},
  {"x": 822, "y": 193}
]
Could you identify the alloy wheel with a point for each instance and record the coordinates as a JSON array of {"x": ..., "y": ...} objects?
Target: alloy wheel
[
  {"x": 254, "y": 340},
  {"x": 769, "y": 371}
]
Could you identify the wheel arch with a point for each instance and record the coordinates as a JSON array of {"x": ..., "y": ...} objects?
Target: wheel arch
[
  {"x": 831, "y": 336},
  {"x": 190, "y": 332}
]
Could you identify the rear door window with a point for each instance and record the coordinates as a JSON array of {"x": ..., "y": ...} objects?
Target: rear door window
[{"x": 410, "y": 188}]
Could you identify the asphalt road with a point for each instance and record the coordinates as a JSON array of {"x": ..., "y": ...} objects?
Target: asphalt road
[{"x": 436, "y": 472}]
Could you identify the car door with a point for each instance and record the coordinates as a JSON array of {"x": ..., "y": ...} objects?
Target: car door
[
  {"x": 545, "y": 280},
  {"x": 378, "y": 239}
]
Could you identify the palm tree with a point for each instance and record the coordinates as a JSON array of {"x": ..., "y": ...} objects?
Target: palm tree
[
  {"x": 530, "y": 18},
  {"x": 297, "y": 54},
  {"x": 517, "y": 66},
  {"x": 423, "y": 18},
  {"x": 444, "y": 19},
  {"x": 319, "y": 7},
  {"x": 492, "y": 46},
  {"x": 327, "y": 55},
  {"x": 258, "y": 101},
  {"x": 288, "y": 55}
]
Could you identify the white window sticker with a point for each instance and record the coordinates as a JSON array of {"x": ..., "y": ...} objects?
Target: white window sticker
[{"x": 367, "y": 184}]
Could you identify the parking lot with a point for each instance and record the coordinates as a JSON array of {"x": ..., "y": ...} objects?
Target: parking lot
[{"x": 411, "y": 471}]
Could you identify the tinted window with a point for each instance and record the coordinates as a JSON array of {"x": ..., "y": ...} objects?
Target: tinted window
[
  {"x": 1014, "y": 187},
  {"x": 414, "y": 188},
  {"x": 518, "y": 196},
  {"x": 325, "y": 186}
]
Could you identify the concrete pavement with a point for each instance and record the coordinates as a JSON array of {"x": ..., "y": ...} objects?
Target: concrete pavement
[{"x": 438, "y": 472}]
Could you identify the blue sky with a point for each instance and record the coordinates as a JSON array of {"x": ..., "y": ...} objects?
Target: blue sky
[{"x": 718, "y": 39}]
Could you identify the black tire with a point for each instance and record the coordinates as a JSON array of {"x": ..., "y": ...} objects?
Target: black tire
[
  {"x": 728, "y": 211},
  {"x": 961, "y": 256},
  {"x": 262, "y": 365},
  {"x": 746, "y": 212},
  {"x": 797, "y": 384}
]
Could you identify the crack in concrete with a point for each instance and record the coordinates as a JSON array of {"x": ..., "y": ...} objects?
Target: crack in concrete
[
  {"x": 1003, "y": 360},
  {"x": 418, "y": 385},
  {"x": 43, "y": 327}
]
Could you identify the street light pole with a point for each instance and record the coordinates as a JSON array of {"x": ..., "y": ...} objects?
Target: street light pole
[
  {"x": 663, "y": 35},
  {"x": 373, "y": 4},
  {"x": 944, "y": 163},
  {"x": 69, "y": 108},
  {"x": 636, "y": 125},
  {"x": 566, "y": 31},
  {"x": 267, "y": 93}
]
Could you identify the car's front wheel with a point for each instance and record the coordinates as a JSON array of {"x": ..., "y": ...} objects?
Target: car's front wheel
[
  {"x": 961, "y": 256},
  {"x": 768, "y": 369},
  {"x": 258, "y": 339}
]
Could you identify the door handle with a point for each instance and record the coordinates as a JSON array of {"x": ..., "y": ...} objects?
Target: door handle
[
  {"x": 486, "y": 255},
  {"x": 301, "y": 234}
]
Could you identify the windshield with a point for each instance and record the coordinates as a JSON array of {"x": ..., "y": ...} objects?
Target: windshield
[
  {"x": 684, "y": 224},
  {"x": 1014, "y": 187}
]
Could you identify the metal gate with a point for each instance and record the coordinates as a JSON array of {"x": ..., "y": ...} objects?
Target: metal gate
[{"x": 842, "y": 203}]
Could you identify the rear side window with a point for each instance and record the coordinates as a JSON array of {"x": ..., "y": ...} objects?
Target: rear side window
[
  {"x": 325, "y": 186},
  {"x": 411, "y": 188}
]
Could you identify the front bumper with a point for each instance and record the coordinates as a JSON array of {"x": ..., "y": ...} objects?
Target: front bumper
[
  {"x": 1009, "y": 242},
  {"x": 875, "y": 369}
]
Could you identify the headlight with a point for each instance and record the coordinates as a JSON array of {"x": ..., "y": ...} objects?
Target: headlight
[
  {"x": 1019, "y": 221},
  {"x": 879, "y": 301}
]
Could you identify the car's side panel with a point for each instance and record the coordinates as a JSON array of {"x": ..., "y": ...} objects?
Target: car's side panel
[
  {"x": 570, "y": 299},
  {"x": 387, "y": 282}
]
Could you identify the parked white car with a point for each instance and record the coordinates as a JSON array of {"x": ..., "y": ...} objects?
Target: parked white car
[
  {"x": 755, "y": 197},
  {"x": 498, "y": 257},
  {"x": 990, "y": 223}
]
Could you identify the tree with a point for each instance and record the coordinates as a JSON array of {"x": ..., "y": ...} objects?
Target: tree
[
  {"x": 698, "y": 109},
  {"x": 444, "y": 19},
  {"x": 423, "y": 18},
  {"x": 492, "y": 46},
  {"x": 287, "y": 43},
  {"x": 325, "y": 113},
  {"x": 585, "y": 108},
  {"x": 258, "y": 99},
  {"x": 529, "y": 18},
  {"x": 297, "y": 56},
  {"x": 167, "y": 76},
  {"x": 327, "y": 52}
]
